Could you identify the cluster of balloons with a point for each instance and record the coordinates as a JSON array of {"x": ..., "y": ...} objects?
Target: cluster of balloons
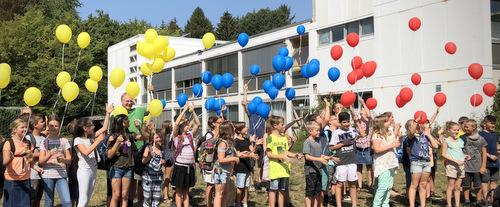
[
  {"x": 64, "y": 34},
  {"x": 310, "y": 70},
  {"x": 70, "y": 89},
  {"x": 258, "y": 107},
  {"x": 217, "y": 81},
  {"x": 489, "y": 89},
  {"x": 282, "y": 62},
  {"x": 360, "y": 70},
  {"x": 95, "y": 74},
  {"x": 154, "y": 48},
  {"x": 405, "y": 96},
  {"x": 215, "y": 104}
]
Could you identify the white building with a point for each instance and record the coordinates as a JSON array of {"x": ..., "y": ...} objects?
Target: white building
[{"x": 474, "y": 26}]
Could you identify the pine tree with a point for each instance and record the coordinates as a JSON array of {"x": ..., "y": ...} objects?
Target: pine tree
[
  {"x": 226, "y": 28},
  {"x": 198, "y": 24}
]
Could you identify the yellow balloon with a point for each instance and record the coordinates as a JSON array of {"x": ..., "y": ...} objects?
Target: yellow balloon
[
  {"x": 140, "y": 48},
  {"x": 83, "y": 40},
  {"x": 132, "y": 89},
  {"x": 32, "y": 96},
  {"x": 120, "y": 110},
  {"x": 168, "y": 54},
  {"x": 91, "y": 85},
  {"x": 63, "y": 33},
  {"x": 208, "y": 40},
  {"x": 63, "y": 78},
  {"x": 148, "y": 117},
  {"x": 150, "y": 35},
  {"x": 155, "y": 108},
  {"x": 4, "y": 78},
  {"x": 117, "y": 77},
  {"x": 95, "y": 73},
  {"x": 160, "y": 44},
  {"x": 70, "y": 91},
  {"x": 146, "y": 69},
  {"x": 5, "y": 66},
  {"x": 158, "y": 65}
]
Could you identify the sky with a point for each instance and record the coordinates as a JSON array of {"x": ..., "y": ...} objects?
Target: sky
[{"x": 153, "y": 11}]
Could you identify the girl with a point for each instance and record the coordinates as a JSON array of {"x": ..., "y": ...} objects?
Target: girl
[
  {"x": 183, "y": 175},
  {"x": 243, "y": 169},
  {"x": 152, "y": 174},
  {"x": 208, "y": 175},
  {"x": 17, "y": 163},
  {"x": 363, "y": 150},
  {"x": 121, "y": 159},
  {"x": 384, "y": 144},
  {"x": 455, "y": 169},
  {"x": 84, "y": 144},
  {"x": 166, "y": 132},
  {"x": 54, "y": 156}
]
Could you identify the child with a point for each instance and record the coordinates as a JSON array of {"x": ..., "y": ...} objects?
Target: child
[
  {"x": 166, "y": 132},
  {"x": 455, "y": 169},
  {"x": 278, "y": 154},
  {"x": 226, "y": 155},
  {"x": 208, "y": 175},
  {"x": 343, "y": 142},
  {"x": 385, "y": 160},
  {"x": 475, "y": 159},
  {"x": 314, "y": 162},
  {"x": 54, "y": 155},
  {"x": 363, "y": 149},
  {"x": 333, "y": 124},
  {"x": 37, "y": 125},
  {"x": 243, "y": 168},
  {"x": 183, "y": 175},
  {"x": 406, "y": 157},
  {"x": 461, "y": 122},
  {"x": 492, "y": 165},
  {"x": 152, "y": 174}
]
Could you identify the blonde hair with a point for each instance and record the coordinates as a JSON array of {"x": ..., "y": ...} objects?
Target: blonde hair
[
  {"x": 379, "y": 126},
  {"x": 149, "y": 133},
  {"x": 471, "y": 122},
  {"x": 16, "y": 123},
  {"x": 312, "y": 125}
]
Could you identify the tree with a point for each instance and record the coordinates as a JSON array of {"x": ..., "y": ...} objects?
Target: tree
[
  {"x": 9, "y": 8},
  {"x": 226, "y": 28},
  {"x": 198, "y": 24},
  {"x": 171, "y": 29},
  {"x": 495, "y": 108},
  {"x": 264, "y": 20}
]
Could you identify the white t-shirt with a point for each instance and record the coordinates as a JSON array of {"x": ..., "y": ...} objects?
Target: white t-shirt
[
  {"x": 85, "y": 161},
  {"x": 39, "y": 141},
  {"x": 52, "y": 169}
]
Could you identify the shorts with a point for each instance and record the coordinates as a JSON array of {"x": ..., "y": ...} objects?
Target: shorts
[
  {"x": 221, "y": 178},
  {"x": 364, "y": 157},
  {"x": 407, "y": 175},
  {"x": 208, "y": 176},
  {"x": 331, "y": 174},
  {"x": 119, "y": 173},
  {"x": 419, "y": 166},
  {"x": 490, "y": 175},
  {"x": 279, "y": 184},
  {"x": 324, "y": 178},
  {"x": 36, "y": 189},
  {"x": 453, "y": 170},
  {"x": 313, "y": 185},
  {"x": 260, "y": 152},
  {"x": 242, "y": 180},
  {"x": 252, "y": 164},
  {"x": 346, "y": 172},
  {"x": 472, "y": 177}
]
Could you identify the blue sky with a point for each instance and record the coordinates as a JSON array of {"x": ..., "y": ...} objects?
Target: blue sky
[{"x": 153, "y": 11}]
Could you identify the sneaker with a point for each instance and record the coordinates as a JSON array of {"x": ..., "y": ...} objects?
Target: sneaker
[
  {"x": 434, "y": 195},
  {"x": 346, "y": 198},
  {"x": 467, "y": 203},
  {"x": 251, "y": 188}
]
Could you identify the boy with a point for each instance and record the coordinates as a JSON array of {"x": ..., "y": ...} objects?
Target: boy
[
  {"x": 37, "y": 125},
  {"x": 492, "y": 165},
  {"x": 343, "y": 140},
  {"x": 333, "y": 124},
  {"x": 475, "y": 159},
  {"x": 312, "y": 167}
]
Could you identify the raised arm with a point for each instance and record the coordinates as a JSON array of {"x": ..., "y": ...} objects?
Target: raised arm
[
  {"x": 413, "y": 128},
  {"x": 433, "y": 118},
  {"x": 245, "y": 101},
  {"x": 368, "y": 113},
  {"x": 327, "y": 112},
  {"x": 109, "y": 109},
  {"x": 178, "y": 121},
  {"x": 355, "y": 118}
]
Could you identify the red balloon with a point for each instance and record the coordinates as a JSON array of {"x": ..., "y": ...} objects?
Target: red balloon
[
  {"x": 418, "y": 114},
  {"x": 369, "y": 68},
  {"x": 489, "y": 89},
  {"x": 450, "y": 48},
  {"x": 400, "y": 103},
  {"x": 336, "y": 52},
  {"x": 371, "y": 103},
  {"x": 348, "y": 98},
  {"x": 439, "y": 99},
  {"x": 476, "y": 100},
  {"x": 356, "y": 62},
  {"x": 359, "y": 74},
  {"x": 475, "y": 70},
  {"x": 352, "y": 39},
  {"x": 351, "y": 77},
  {"x": 406, "y": 94},
  {"x": 414, "y": 23},
  {"x": 416, "y": 79}
]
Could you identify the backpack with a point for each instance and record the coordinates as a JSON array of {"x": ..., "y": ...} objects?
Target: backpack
[
  {"x": 402, "y": 150},
  {"x": 63, "y": 144},
  {"x": 138, "y": 165},
  {"x": 207, "y": 156},
  {"x": 496, "y": 196},
  {"x": 32, "y": 140},
  {"x": 198, "y": 144},
  {"x": 12, "y": 149},
  {"x": 102, "y": 152},
  {"x": 178, "y": 150}
]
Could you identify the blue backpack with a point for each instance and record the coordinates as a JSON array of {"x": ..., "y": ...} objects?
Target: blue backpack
[{"x": 102, "y": 152}]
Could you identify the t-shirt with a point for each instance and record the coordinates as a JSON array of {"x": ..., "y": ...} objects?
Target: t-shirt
[
  {"x": 347, "y": 153},
  {"x": 312, "y": 148},
  {"x": 364, "y": 142},
  {"x": 492, "y": 140},
  {"x": 472, "y": 148},
  {"x": 386, "y": 160},
  {"x": 323, "y": 140},
  {"x": 52, "y": 168},
  {"x": 123, "y": 155},
  {"x": 136, "y": 114},
  {"x": 186, "y": 155},
  {"x": 19, "y": 168},
  {"x": 257, "y": 125},
  {"x": 278, "y": 146},
  {"x": 244, "y": 165},
  {"x": 85, "y": 161},
  {"x": 419, "y": 148},
  {"x": 39, "y": 141},
  {"x": 455, "y": 149}
]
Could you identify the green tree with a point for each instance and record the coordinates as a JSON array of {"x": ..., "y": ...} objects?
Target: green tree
[
  {"x": 170, "y": 29},
  {"x": 9, "y": 8},
  {"x": 264, "y": 20},
  {"x": 495, "y": 108},
  {"x": 226, "y": 28},
  {"x": 198, "y": 24}
]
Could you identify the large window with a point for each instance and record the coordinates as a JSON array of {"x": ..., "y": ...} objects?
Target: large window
[
  {"x": 163, "y": 85},
  {"x": 362, "y": 27},
  {"x": 231, "y": 115},
  {"x": 255, "y": 82},
  {"x": 186, "y": 86},
  {"x": 222, "y": 65}
]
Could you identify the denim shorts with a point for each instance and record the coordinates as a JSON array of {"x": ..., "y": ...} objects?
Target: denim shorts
[
  {"x": 419, "y": 166},
  {"x": 119, "y": 173},
  {"x": 242, "y": 180},
  {"x": 221, "y": 178},
  {"x": 279, "y": 184}
]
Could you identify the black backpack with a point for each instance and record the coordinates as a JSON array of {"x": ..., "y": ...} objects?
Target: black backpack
[
  {"x": 138, "y": 165},
  {"x": 496, "y": 196},
  {"x": 102, "y": 152},
  {"x": 198, "y": 144},
  {"x": 12, "y": 149}
]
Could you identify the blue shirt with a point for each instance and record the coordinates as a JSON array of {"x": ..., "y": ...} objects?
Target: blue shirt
[
  {"x": 492, "y": 140},
  {"x": 257, "y": 125},
  {"x": 419, "y": 148}
]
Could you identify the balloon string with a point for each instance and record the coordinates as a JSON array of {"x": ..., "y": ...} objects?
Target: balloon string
[
  {"x": 28, "y": 124},
  {"x": 93, "y": 102},
  {"x": 62, "y": 121},
  {"x": 62, "y": 59},
  {"x": 300, "y": 50},
  {"x": 78, "y": 61},
  {"x": 57, "y": 99},
  {"x": 0, "y": 95},
  {"x": 250, "y": 80}
]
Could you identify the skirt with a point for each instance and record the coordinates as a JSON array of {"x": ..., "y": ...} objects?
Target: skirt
[
  {"x": 364, "y": 157},
  {"x": 183, "y": 177}
]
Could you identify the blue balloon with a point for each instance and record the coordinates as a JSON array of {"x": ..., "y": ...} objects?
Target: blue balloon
[
  {"x": 217, "y": 81},
  {"x": 181, "y": 99},
  {"x": 209, "y": 103},
  {"x": 279, "y": 63},
  {"x": 288, "y": 63},
  {"x": 257, "y": 100},
  {"x": 227, "y": 80},
  {"x": 334, "y": 74},
  {"x": 218, "y": 112},
  {"x": 243, "y": 39},
  {"x": 206, "y": 77},
  {"x": 290, "y": 93},
  {"x": 218, "y": 104},
  {"x": 263, "y": 110},
  {"x": 273, "y": 92},
  {"x": 301, "y": 29},
  {"x": 278, "y": 80},
  {"x": 304, "y": 71},
  {"x": 254, "y": 70},
  {"x": 197, "y": 90},
  {"x": 283, "y": 51},
  {"x": 314, "y": 61},
  {"x": 312, "y": 69},
  {"x": 222, "y": 101},
  {"x": 163, "y": 102},
  {"x": 252, "y": 107},
  {"x": 266, "y": 85}
]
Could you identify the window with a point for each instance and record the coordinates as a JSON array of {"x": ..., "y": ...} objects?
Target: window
[
  {"x": 353, "y": 27},
  {"x": 324, "y": 36},
  {"x": 367, "y": 26},
  {"x": 186, "y": 86},
  {"x": 133, "y": 69},
  {"x": 338, "y": 33},
  {"x": 231, "y": 115},
  {"x": 222, "y": 65},
  {"x": 363, "y": 27},
  {"x": 255, "y": 82},
  {"x": 496, "y": 54},
  {"x": 298, "y": 79},
  {"x": 133, "y": 48},
  {"x": 133, "y": 58},
  {"x": 164, "y": 94}
]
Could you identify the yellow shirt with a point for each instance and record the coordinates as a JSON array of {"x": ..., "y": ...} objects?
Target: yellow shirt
[{"x": 278, "y": 146}]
